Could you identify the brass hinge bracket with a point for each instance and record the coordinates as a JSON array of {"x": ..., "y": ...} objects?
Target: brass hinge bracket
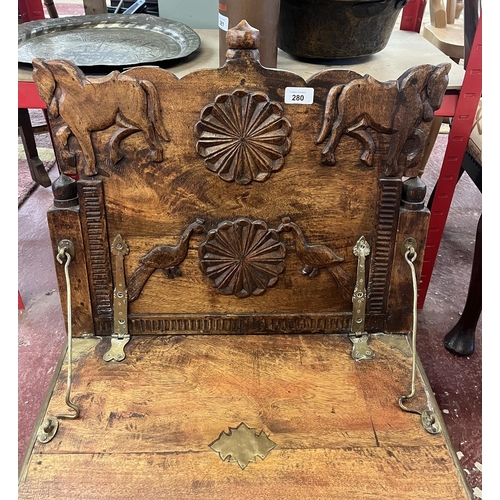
[
  {"x": 120, "y": 336},
  {"x": 358, "y": 336}
]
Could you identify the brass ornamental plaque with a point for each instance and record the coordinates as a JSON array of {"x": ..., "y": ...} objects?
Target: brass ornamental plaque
[{"x": 242, "y": 445}]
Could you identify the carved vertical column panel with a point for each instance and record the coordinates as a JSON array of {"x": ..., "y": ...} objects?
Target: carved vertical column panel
[
  {"x": 383, "y": 244},
  {"x": 92, "y": 213},
  {"x": 64, "y": 223},
  {"x": 413, "y": 225}
]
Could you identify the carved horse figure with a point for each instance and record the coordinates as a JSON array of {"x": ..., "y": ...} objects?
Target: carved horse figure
[
  {"x": 131, "y": 103},
  {"x": 354, "y": 107}
]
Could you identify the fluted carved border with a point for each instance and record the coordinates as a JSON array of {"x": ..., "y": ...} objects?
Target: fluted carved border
[
  {"x": 383, "y": 244},
  {"x": 188, "y": 324},
  {"x": 93, "y": 217}
]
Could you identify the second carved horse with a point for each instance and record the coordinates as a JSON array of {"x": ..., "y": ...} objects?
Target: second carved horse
[{"x": 415, "y": 95}]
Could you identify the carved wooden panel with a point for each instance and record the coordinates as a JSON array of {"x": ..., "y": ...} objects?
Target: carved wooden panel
[
  {"x": 279, "y": 232},
  {"x": 241, "y": 258},
  {"x": 247, "y": 258}
]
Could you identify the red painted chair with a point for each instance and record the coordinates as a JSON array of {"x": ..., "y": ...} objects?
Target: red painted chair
[
  {"x": 463, "y": 153},
  {"x": 462, "y": 109},
  {"x": 32, "y": 10}
]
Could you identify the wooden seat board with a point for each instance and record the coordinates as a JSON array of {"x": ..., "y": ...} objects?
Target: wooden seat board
[{"x": 149, "y": 420}]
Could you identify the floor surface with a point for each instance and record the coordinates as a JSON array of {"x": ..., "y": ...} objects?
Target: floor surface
[{"x": 456, "y": 381}]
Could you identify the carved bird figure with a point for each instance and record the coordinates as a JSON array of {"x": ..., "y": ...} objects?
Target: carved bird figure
[
  {"x": 164, "y": 257},
  {"x": 316, "y": 257}
]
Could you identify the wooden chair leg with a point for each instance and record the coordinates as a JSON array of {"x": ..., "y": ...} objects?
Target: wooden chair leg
[
  {"x": 460, "y": 340},
  {"x": 37, "y": 169},
  {"x": 51, "y": 8}
]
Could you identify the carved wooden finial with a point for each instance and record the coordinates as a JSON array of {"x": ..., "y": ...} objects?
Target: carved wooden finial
[
  {"x": 243, "y": 41},
  {"x": 243, "y": 37},
  {"x": 65, "y": 193},
  {"x": 413, "y": 194}
]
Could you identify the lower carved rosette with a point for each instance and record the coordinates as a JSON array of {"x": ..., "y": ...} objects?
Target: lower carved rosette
[{"x": 242, "y": 258}]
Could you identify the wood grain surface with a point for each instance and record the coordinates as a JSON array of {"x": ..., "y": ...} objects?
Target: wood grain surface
[{"x": 146, "y": 423}]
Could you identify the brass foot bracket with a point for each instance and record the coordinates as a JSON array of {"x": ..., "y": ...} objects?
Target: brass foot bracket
[{"x": 120, "y": 336}]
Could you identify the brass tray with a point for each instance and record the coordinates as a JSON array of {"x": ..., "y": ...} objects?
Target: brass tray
[{"x": 106, "y": 40}]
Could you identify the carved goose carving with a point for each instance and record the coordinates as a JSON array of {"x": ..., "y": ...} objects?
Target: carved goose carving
[
  {"x": 316, "y": 257},
  {"x": 164, "y": 257}
]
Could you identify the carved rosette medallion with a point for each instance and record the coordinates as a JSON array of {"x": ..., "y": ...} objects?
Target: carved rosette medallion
[
  {"x": 243, "y": 257},
  {"x": 243, "y": 136}
]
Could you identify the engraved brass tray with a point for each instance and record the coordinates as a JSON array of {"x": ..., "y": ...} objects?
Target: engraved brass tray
[{"x": 106, "y": 40}]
